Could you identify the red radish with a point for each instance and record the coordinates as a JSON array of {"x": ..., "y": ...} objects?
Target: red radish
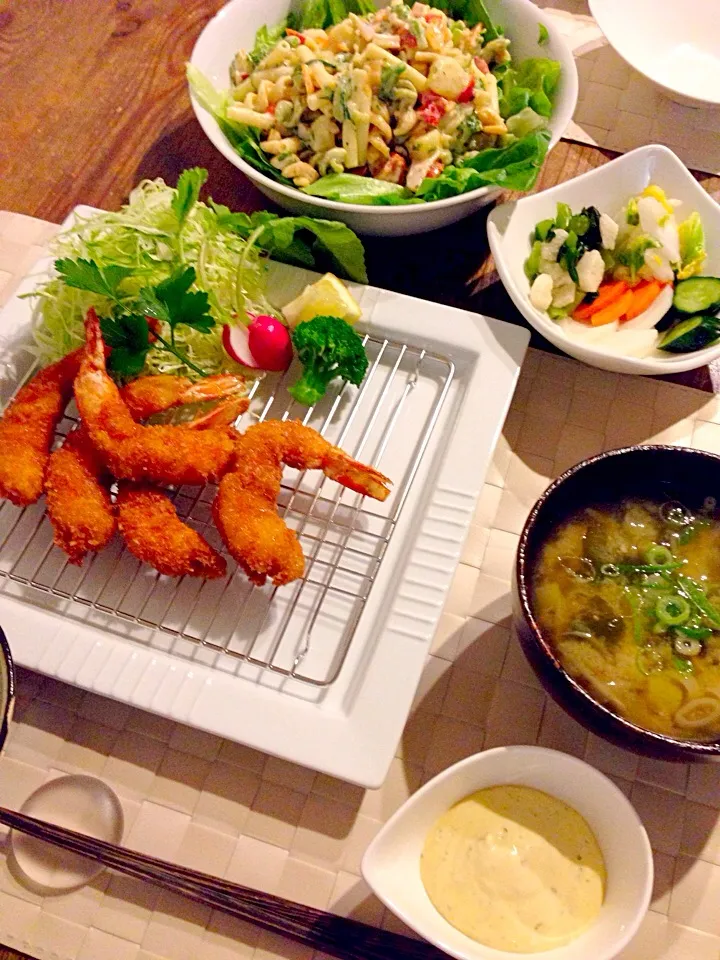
[
  {"x": 270, "y": 343},
  {"x": 235, "y": 341},
  {"x": 263, "y": 345}
]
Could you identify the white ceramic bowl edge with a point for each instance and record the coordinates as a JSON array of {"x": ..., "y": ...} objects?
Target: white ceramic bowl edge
[
  {"x": 391, "y": 863},
  {"x": 607, "y": 187}
]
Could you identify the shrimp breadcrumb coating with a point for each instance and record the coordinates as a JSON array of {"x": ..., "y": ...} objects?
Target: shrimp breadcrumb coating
[
  {"x": 28, "y": 426},
  {"x": 77, "y": 482},
  {"x": 245, "y": 508},
  {"x": 78, "y": 497},
  {"x": 156, "y": 535}
]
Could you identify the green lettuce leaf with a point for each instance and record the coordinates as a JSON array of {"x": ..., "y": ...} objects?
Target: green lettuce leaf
[
  {"x": 532, "y": 83},
  {"x": 524, "y": 122},
  {"x": 301, "y": 241},
  {"x": 692, "y": 246},
  {"x": 305, "y": 241},
  {"x": 320, "y": 14},
  {"x": 513, "y": 168},
  {"x": 265, "y": 40},
  {"x": 351, "y": 188},
  {"x": 243, "y": 139},
  {"x": 471, "y": 12}
]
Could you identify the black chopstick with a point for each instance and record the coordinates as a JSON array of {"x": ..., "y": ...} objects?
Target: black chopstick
[{"x": 341, "y": 937}]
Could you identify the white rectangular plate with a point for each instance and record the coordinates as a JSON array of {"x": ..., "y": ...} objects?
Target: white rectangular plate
[{"x": 432, "y": 430}]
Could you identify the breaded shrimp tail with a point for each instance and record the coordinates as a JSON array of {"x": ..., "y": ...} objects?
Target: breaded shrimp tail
[
  {"x": 27, "y": 428},
  {"x": 163, "y": 454}
]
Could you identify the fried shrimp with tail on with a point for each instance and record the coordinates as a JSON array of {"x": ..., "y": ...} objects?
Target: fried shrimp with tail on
[
  {"x": 245, "y": 508},
  {"x": 151, "y": 527},
  {"x": 77, "y": 482},
  {"x": 28, "y": 426},
  {"x": 161, "y": 453}
]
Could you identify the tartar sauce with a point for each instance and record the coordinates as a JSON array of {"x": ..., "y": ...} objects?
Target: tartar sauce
[{"x": 515, "y": 869}]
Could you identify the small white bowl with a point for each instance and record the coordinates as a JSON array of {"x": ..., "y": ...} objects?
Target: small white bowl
[
  {"x": 235, "y": 27},
  {"x": 676, "y": 45},
  {"x": 608, "y": 187},
  {"x": 391, "y": 865}
]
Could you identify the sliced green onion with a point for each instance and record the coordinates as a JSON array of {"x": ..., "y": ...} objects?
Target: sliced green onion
[
  {"x": 610, "y": 570},
  {"x": 649, "y": 567},
  {"x": 685, "y": 647},
  {"x": 694, "y": 633},
  {"x": 658, "y": 555},
  {"x": 696, "y": 595},
  {"x": 672, "y": 610},
  {"x": 682, "y": 665}
]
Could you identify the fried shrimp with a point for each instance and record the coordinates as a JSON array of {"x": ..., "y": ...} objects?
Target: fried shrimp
[
  {"x": 156, "y": 393},
  {"x": 27, "y": 428},
  {"x": 156, "y": 535},
  {"x": 153, "y": 531},
  {"x": 245, "y": 509},
  {"x": 162, "y": 454},
  {"x": 77, "y": 481},
  {"x": 77, "y": 488}
]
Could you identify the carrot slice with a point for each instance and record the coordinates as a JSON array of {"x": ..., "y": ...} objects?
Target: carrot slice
[
  {"x": 613, "y": 311},
  {"x": 607, "y": 293},
  {"x": 643, "y": 295}
]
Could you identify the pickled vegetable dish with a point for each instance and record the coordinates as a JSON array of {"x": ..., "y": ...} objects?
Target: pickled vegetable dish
[
  {"x": 629, "y": 596},
  {"x": 627, "y": 284}
]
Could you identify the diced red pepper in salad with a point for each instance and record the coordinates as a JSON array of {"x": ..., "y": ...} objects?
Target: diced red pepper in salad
[
  {"x": 293, "y": 33},
  {"x": 432, "y": 108},
  {"x": 467, "y": 93},
  {"x": 434, "y": 170},
  {"x": 407, "y": 40}
]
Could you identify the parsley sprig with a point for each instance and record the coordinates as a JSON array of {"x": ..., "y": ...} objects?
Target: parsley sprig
[{"x": 125, "y": 328}]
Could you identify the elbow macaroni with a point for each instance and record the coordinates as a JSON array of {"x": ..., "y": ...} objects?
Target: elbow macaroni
[{"x": 361, "y": 93}]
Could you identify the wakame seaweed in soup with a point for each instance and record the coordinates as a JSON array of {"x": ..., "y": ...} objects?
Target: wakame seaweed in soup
[{"x": 629, "y": 596}]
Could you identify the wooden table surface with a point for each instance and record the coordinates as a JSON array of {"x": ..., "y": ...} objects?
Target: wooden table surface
[{"x": 94, "y": 99}]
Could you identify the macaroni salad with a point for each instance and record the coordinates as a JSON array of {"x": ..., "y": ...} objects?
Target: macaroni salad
[{"x": 398, "y": 95}]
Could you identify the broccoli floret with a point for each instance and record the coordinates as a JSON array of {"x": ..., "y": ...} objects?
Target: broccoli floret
[{"x": 327, "y": 347}]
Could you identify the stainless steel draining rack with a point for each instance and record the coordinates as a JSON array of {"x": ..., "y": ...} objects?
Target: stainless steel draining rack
[{"x": 304, "y": 630}]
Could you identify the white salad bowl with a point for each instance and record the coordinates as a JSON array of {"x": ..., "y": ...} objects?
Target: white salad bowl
[
  {"x": 391, "y": 865},
  {"x": 511, "y": 225},
  {"x": 235, "y": 26},
  {"x": 676, "y": 45}
]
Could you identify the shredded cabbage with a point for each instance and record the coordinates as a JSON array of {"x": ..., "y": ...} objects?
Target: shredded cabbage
[{"x": 144, "y": 235}]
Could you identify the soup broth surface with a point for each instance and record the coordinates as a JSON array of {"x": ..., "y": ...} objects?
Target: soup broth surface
[{"x": 629, "y": 596}]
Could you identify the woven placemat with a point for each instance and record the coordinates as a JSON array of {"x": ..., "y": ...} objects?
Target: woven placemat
[
  {"x": 618, "y": 108},
  {"x": 236, "y": 813}
]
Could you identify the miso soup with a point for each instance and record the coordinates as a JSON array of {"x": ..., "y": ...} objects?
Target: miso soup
[{"x": 629, "y": 596}]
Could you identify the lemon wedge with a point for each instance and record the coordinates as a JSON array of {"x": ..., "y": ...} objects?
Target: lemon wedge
[{"x": 327, "y": 297}]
